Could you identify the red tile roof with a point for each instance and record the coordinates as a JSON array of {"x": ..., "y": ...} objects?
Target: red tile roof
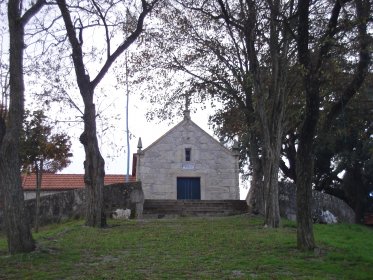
[{"x": 66, "y": 181}]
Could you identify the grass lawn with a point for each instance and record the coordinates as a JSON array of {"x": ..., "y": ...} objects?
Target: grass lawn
[{"x": 191, "y": 248}]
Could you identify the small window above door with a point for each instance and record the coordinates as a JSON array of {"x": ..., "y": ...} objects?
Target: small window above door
[{"x": 188, "y": 154}]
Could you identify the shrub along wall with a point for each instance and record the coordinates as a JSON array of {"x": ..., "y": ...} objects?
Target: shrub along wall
[{"x": 70, "y": 204}]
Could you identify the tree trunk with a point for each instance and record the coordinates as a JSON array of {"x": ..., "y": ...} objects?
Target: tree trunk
[
  {"x": 305, "y": 238},
  {"x": 2, "y": 128},
  {"x": 271, "y": 169},
  {"x": 94, "y": 167},
  {"x": 270, "y": 105},
  {"x": 255, "y": 197},
  {"x": 263, "y": 195},
  {"x": 304, "y": 170},
  {"x": 355, "y": 189},
  {"x": 305, "y": 166},
  {"x": 16, "y": 224}
]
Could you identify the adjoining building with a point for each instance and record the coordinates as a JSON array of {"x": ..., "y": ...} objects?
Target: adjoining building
[{"x": 55, "y": 183}]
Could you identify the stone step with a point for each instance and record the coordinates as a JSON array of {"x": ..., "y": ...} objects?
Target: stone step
[
  {"x": 194, "y": 207},
  {"x": 195, "y": 202},
  {"x": 201, "y": 207}
]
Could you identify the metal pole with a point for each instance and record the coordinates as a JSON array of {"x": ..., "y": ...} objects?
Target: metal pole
[{"x": 127, "y": 129}]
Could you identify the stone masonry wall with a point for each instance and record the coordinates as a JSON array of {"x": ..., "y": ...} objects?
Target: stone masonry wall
[
  {"x": 70, "y": 204},
  {"x": 163, "y": 162},
  {"x": 320, "y": 202}
]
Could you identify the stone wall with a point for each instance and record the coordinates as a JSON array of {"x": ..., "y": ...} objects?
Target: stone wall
[
  {"x": 159, "y": 165},
  {"x": 320, "y": 202},
  {"x": 125, "y": 196},
  {"x": 70, "y": 204}
]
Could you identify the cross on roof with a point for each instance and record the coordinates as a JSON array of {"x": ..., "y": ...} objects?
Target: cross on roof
[{"x": 187, "y": 103}]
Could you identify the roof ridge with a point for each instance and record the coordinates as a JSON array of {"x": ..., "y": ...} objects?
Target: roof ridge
[{"x": 179, "y": 124}]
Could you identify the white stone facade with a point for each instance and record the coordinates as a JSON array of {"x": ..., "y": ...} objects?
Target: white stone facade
[{"x": 159, "y": 165}]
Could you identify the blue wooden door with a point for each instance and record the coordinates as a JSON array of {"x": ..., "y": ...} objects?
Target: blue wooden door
[{"x": 188, "y": 188}]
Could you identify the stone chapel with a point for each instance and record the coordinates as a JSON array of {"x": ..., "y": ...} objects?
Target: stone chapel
[{"x": 187, "y": 163}]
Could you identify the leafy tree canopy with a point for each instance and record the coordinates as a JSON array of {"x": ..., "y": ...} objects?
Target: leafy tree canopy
[{"x": 38, "y": 143}]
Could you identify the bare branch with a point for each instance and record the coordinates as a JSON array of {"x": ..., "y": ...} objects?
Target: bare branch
[
  {"x": 32, "y": 11},
  {"x": 146, "y": 8},
  {"x": 75, "y": 44},
  {"x": 103, "y": 18}
]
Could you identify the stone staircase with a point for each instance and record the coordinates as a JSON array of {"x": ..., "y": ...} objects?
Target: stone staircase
[{"x": 174, "y": 208}]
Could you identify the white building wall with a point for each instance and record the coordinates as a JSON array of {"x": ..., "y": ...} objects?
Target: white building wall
[
  {"x": 159, "y": 166},
  {"x": 32, "y": 194}
]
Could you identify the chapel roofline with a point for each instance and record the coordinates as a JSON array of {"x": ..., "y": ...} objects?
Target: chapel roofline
[{"x": 186, "y": 120}]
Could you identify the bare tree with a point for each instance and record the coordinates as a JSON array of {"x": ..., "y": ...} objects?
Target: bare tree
[
  {"x": 94, "y": 162},
  {"x": 17, "y": 226}
]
